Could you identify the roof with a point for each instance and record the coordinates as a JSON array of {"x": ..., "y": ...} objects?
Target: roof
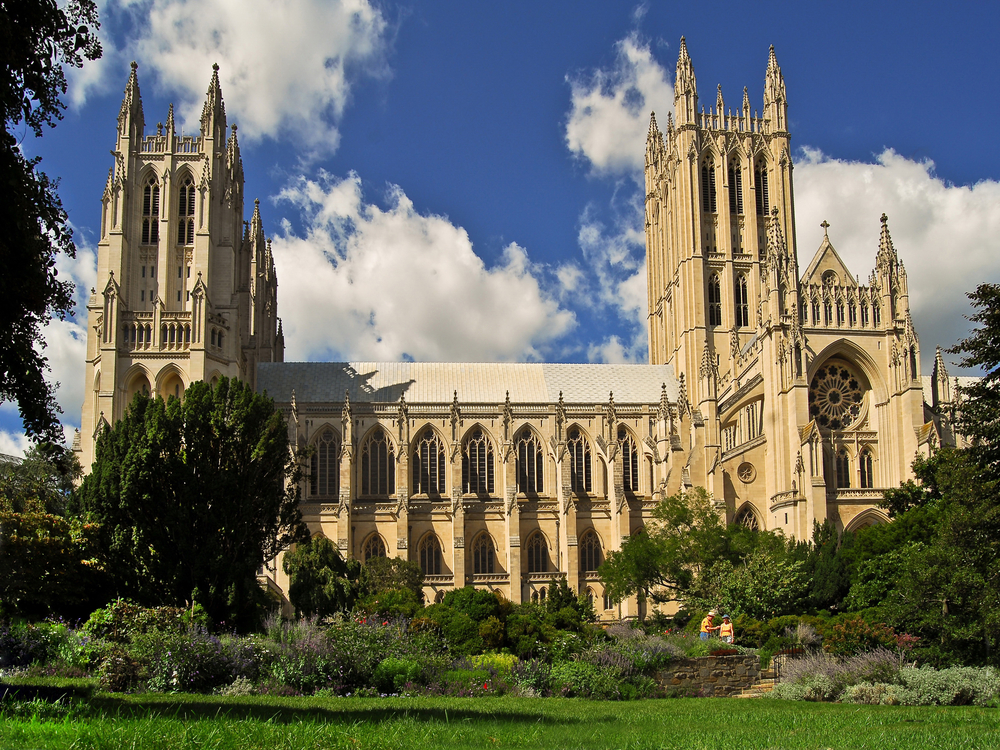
[{"x": 475, "y": 382}]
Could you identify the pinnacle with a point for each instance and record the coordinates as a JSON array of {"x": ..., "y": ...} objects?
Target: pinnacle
[{"x": 652, "y": 123}]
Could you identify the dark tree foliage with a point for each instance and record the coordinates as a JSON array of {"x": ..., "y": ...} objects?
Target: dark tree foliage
[
  {"x": 826, "y": 566},
  {"x": 193, "y": 497},
  {"x": 321, "y": 581},
  {"x": 979, "y": 412},
  {"x": 36, "y": 40}
]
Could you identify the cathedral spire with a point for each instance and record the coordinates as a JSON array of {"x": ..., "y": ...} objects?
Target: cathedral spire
[
  {"x": 170, "y": 126},
  {"x": 131, "y": 122},
  {"x": 775, "y": 101},
  {"x": 213, "y": 114},
  {"x": 685, "y": 88}
]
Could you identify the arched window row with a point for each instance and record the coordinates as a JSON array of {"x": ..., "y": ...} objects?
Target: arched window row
[
  {"x": 216, "y": 338},
  {"x": 478, "y": 471},
  {"x": 822, "y": 309},
  {"x": 629, "y": 457},
  {"x": 185, "y": 212},
  {"x": 591, "y": 554},
  {"x": 429, "y": 465},
  {"x": 714, "y": 300},
  {"x": 373, "y": 547},
  {"x": 483, "y": 555},
  {"x": 537, "y": 551},
  {"x": 580, "y": 462},
  {"x": 151, "y": 212},
  {"x": 324, "y": 474}
]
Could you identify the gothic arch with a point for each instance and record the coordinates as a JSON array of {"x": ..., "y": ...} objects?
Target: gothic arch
[
  {"x": 580, "y": 452},
  {"x": 430, "y": 555},
  {"x": 324, "y": 462},
  {"x": 170, "y": 382},
  {"x": 530, "y": 460},
  {"x": 377, "y": 463},
  {"x": 537, "y": 552},
  {"x": 374, "y": 546},
  {"x": 866, "y": 518},
  {"x": 748, "y": 517},
  {"x": 429, "y": 461},
  {"x": 137, "y": 379},
  {"x": 591, "y": 550},
  {"x": 479, "y": 461},
  {"x": 483, "y": 553},
  {"x": 629, "y": 456},
  {"x": 856, "y": 356}
]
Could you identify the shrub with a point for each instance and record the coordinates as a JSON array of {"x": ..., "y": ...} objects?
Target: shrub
[
  {"x": 502, "y": 664},
  {"x": 24, "y": 643},
  {"x": 584, "y": 680},
  {"x": 532, "y": 674},
  {"x": 816, "y": 687},
  {"x": 392, "y": 674},
  {"x": 122, "y": 620},
  {"x": 854, "y": 635}
]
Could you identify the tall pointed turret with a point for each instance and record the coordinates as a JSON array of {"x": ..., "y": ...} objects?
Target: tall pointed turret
[
  {"x": 891, "y": 276},
  {"x": 654, "y": 142},
  {"x": 775, "y": 102},
  {"x": 685, "y": 88},
  {"x": 213, "y": 114},
  {"x": 941, "y": 389},
  {"x": 131, "y": 122}
]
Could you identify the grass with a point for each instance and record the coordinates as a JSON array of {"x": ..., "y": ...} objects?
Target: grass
[{"x": 199, "y": 721}]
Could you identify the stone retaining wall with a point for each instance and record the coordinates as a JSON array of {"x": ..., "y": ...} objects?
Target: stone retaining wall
[{"x": 710, "y": 675}]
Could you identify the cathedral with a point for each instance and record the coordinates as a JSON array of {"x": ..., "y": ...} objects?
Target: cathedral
[{"x": 792, "y": 398}]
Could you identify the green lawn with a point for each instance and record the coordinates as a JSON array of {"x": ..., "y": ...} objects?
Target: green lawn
[{"x": 197, "y": 721}]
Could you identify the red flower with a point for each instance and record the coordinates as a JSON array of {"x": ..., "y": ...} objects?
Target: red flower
[{"x": 485, "y": 686}]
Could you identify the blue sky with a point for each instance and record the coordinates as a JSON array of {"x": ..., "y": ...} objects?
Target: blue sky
[{"x": 462, "y": 180}]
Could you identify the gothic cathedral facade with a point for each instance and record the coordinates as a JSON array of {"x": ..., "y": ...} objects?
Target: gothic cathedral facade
[{"x": 792, "y": 399}]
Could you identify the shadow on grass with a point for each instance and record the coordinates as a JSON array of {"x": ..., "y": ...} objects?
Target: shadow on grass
[{"x": 282, "y": 710}]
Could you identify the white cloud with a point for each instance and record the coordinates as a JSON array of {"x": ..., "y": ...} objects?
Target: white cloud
[
  {"x": 609, "y": 116},
  {"x": 13, "y": 443},
  {"x": 286, "y": 67},
  {"x": 368, "y": 283},
  {"x": 948, "y": 236}
]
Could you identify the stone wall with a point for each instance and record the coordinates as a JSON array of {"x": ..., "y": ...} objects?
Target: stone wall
[{"x": 716, "y": 676}]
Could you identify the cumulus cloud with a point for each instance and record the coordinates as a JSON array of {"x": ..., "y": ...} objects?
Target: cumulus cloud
[
  {"x": 609, "y": 109},
  {"x": 387, "y": 284},
  {"x": 948, "y": 236},
  {"x": 286, "y": 67}
]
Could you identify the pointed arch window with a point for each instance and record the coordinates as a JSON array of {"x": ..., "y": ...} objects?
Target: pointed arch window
[
  {"x": 843, "y": 469},
  {"x": 324, "y": 474},
  {"x": 477, "y": 464},
  {"x": 876, "y": 315},
  {"x": 538, "y": 554},
  {"x": 580, "y": 468},
  {"x": 852, "y": 314},
  {"x": 735, "y": 187},
  {"x": 747, "y": 519},
  {"x": 708, "y": 199},
  {"x": 591, "y": 556},
  {"x": 530, "y": 463},
  {"x": 374, "y": 547},
  {"x": 185, "y": 212},
  {"x": 742, "y": 299},
  {"x": 630, "y": 460},
  {"x": 483, "y": 555},
  {"x": 714, "y": 300},
  {"x": 760, "y": 189},
  {"x": 429, "y": 464},
  {"x": 150, "y": 213},
  {"x": 378, "y": 465},
  {"x": 429, "y": 554},
  {"x": 608, "y": 601},
  {"x": 866, "y": 464}
]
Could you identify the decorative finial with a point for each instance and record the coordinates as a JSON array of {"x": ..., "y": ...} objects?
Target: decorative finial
[
  {"x": 826, "y": 226},
  {"x": 134, "y": 66},
  {"x": 884, "y": 218},
  {"x": 233, "y": 126},
  {"x": 215, "y": 66}
]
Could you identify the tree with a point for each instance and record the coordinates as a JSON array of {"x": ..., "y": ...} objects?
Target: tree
[
  {"x": 661, "y": 563},
  {"x": 382, "y": 574},
  {"x": 321, "y": 581},
  {"x": 36, "y": 40},
  {"x": 193, "y": 497},
  {"x": 979, "y": 412},
  {"x": 45, "y": 475}
]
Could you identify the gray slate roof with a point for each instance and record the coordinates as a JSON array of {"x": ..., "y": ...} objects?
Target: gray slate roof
[{"x": 476, "y": 382}]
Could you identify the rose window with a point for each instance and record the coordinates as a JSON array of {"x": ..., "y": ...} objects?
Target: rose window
[{"x": 836, "y": 396}]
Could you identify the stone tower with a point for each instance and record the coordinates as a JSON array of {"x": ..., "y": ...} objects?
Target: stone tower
[
  {"x": 806, "y": 389},
  {"x": 186, "y": 288}
]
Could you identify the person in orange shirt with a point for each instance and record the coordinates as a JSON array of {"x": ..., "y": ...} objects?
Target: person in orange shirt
[
  {"x": 726, "y": 630},
  {"x": 707, "y": 627}
]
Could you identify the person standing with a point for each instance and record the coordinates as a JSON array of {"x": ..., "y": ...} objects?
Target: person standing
[
  {"x": 706, "y": 625},
  {"x": 726, "y": 630}
]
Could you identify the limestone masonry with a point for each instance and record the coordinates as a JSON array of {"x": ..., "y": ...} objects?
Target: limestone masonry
[{"x": 791, "y": 398}]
